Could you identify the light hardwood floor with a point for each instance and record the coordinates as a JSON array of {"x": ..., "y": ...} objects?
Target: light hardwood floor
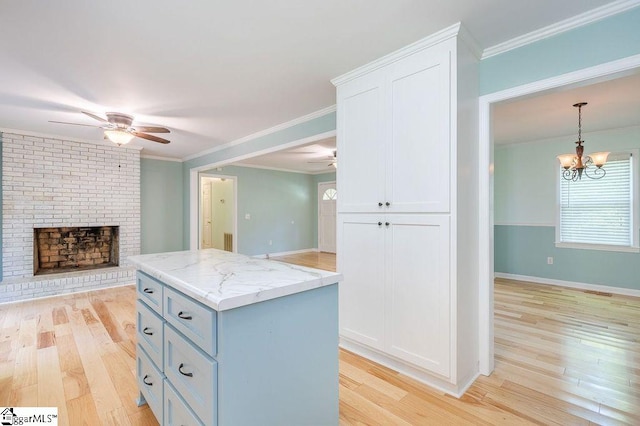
[{"x": 562, "y": 357}]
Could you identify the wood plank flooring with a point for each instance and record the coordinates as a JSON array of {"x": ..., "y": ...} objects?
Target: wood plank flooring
[{"x": 562, "y": 357}]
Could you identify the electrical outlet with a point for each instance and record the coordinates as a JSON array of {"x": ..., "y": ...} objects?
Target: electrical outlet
[
  {"x": 247, "y": 216},
  {"x": 270, "y": 242},
  {"x": 549, "y": 260}
]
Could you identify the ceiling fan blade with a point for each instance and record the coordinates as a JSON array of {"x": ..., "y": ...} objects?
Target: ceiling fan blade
[
  {"x": 151, "y": 129},
  {"x": 150, "y": 137},
  {"x": 94, "y": 116},
  {"x": 75, "y": 124}
]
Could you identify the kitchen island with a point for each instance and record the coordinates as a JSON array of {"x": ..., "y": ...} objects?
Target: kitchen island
[{"x": 226, "y": 339}]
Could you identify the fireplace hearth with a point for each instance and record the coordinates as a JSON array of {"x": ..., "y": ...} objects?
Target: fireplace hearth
[{"x": 69, "y": 249}]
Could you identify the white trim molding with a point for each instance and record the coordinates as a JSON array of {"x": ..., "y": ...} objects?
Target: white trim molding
[
  {"x": 157, "y": 157},
  {"x": 569, "y": 24},
  {"x": 549, "y": 225},
  {"x": 571, "y": 284},
  {"x": 270, "y": 130}
]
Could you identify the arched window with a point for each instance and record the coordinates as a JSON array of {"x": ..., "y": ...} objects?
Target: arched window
[{"x": 330, "y": 194}]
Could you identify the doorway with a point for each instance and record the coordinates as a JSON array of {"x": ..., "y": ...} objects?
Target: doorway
[
  {"x": 327, "y": 196},
  {"x": 602, "y": 72},
  {"x": 217, "y": 213}
]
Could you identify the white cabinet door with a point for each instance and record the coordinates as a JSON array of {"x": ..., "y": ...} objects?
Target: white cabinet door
[
  {"x": 360, "y": 144},
  {"x": 418, "y": 132},
  {"x": 361, "y": 261},
  {"x": 417, "y": 298}
]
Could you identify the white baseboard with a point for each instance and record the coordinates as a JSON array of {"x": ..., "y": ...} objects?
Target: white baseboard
[
  {"x": 408, "y": 370},
  {"x": 570, "y": 284},
  {"x": 284, "y": 253}
]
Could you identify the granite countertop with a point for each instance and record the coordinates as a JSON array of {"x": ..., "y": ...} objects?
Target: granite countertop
[{"x": 224, "y": 280}]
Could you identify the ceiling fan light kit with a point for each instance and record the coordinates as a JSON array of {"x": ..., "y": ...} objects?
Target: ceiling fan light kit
[
  {"x": 118, "y": 136},
  {"x": 574, "y": 166},
  {"x": 119, "y": 129}
]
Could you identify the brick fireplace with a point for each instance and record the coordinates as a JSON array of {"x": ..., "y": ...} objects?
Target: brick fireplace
[
  {"x": 54, "y": 183},
  {"x": 67, "y": 249}
]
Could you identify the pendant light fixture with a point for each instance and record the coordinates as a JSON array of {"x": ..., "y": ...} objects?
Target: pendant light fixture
[{"x": 576, "y": 165}]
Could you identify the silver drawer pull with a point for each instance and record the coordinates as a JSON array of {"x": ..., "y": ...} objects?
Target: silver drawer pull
[
  {"x": 148, "y": 333},
  {"x": 144, "y": 380},
  {"x": 148, "y": 290},
  {"x": 184, "y": 316},
  {"x": 182, "y": 372}
]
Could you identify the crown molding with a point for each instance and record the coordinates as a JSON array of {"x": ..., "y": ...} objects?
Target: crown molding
[
  {"x": 421, "y": 44},
  {"x": 65, "y": 138},
  {"x": 470, "y": 41},
  {"x": 265, "y": 132},
  {"x": 275, "y": 169},
  {"x": 157, "y": 157},
  {"x": 585, "y": 18}
]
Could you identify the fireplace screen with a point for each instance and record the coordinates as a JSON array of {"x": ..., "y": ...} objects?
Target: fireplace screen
[{"x": 70, "y": 249}]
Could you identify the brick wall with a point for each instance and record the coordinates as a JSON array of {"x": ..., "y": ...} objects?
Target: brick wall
[{"x": 55, "y": 183}]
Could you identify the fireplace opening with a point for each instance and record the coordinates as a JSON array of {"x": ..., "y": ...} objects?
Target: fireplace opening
[{"x": 68, "y": 249}]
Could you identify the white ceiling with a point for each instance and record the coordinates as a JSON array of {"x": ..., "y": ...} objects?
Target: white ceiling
[
  {"x": 611, "y": 104},
  {"x": 314, "y": 158},
  {"x": 216, "y": 71}
]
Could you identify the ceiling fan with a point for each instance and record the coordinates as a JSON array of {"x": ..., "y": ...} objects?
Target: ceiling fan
[
  {"x": 118, "y": 128},
  {"x": 333, "y": 160}
]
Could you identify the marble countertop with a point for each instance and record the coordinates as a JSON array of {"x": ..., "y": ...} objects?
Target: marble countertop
[{"x": 224, "y": 280}]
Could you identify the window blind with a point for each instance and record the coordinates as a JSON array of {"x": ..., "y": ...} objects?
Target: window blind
[{"x": 598, "y": 211}]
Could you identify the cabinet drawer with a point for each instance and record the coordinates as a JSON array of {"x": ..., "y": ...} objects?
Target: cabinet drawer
[
  {"x": 150, "y": 290},
  {"x": 150, "y": 332},
  {"x": 192, "y": 319},
  {"x": 176, "y": 411},
  {"x": 192, "y": 373},
  {"x": 150, "y": 383}
]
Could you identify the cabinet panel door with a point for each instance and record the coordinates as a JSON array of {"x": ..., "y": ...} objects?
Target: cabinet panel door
[
  {"x": 418, "y": 133},
  {"x": 360, "y": 145},
  {"x": 361, "y": 261},
  {"x": 417, "y": 298}
]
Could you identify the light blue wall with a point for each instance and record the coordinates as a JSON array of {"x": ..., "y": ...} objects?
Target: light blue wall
[
  {"x": 0, "y": 206},
  {"x": 603, "y": 41},
  {"x": 283, "y": 208},
  {"x": 319, "y": 125},
  {"x": 161, "y": 222},
  {"x": 525, "y": 182}
]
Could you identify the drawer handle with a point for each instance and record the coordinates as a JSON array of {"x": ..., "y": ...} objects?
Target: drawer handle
[
  {"x": 148, "y": 290},
  {"x": 184, "y": 316},
  {"x": 148, "y": 333},
  {"x": 144, "y": 380},
  {"x": 182, "y": 372},
  {"x": 379, "y": 204}
]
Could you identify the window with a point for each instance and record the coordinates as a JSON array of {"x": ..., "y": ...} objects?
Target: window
[
  {"x": 330, "y": 194},
  {"x": 602, "y": 213}
]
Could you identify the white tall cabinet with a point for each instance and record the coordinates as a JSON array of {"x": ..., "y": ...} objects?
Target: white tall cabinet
[{"x": 406, "y": 189}]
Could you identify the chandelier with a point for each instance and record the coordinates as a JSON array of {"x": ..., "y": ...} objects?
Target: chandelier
[{"x": 576, "y": 165}]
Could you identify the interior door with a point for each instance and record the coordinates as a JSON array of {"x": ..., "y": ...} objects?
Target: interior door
[
  {"x": 327, "y": 196},
  {"x": 206, "y": 215}
]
